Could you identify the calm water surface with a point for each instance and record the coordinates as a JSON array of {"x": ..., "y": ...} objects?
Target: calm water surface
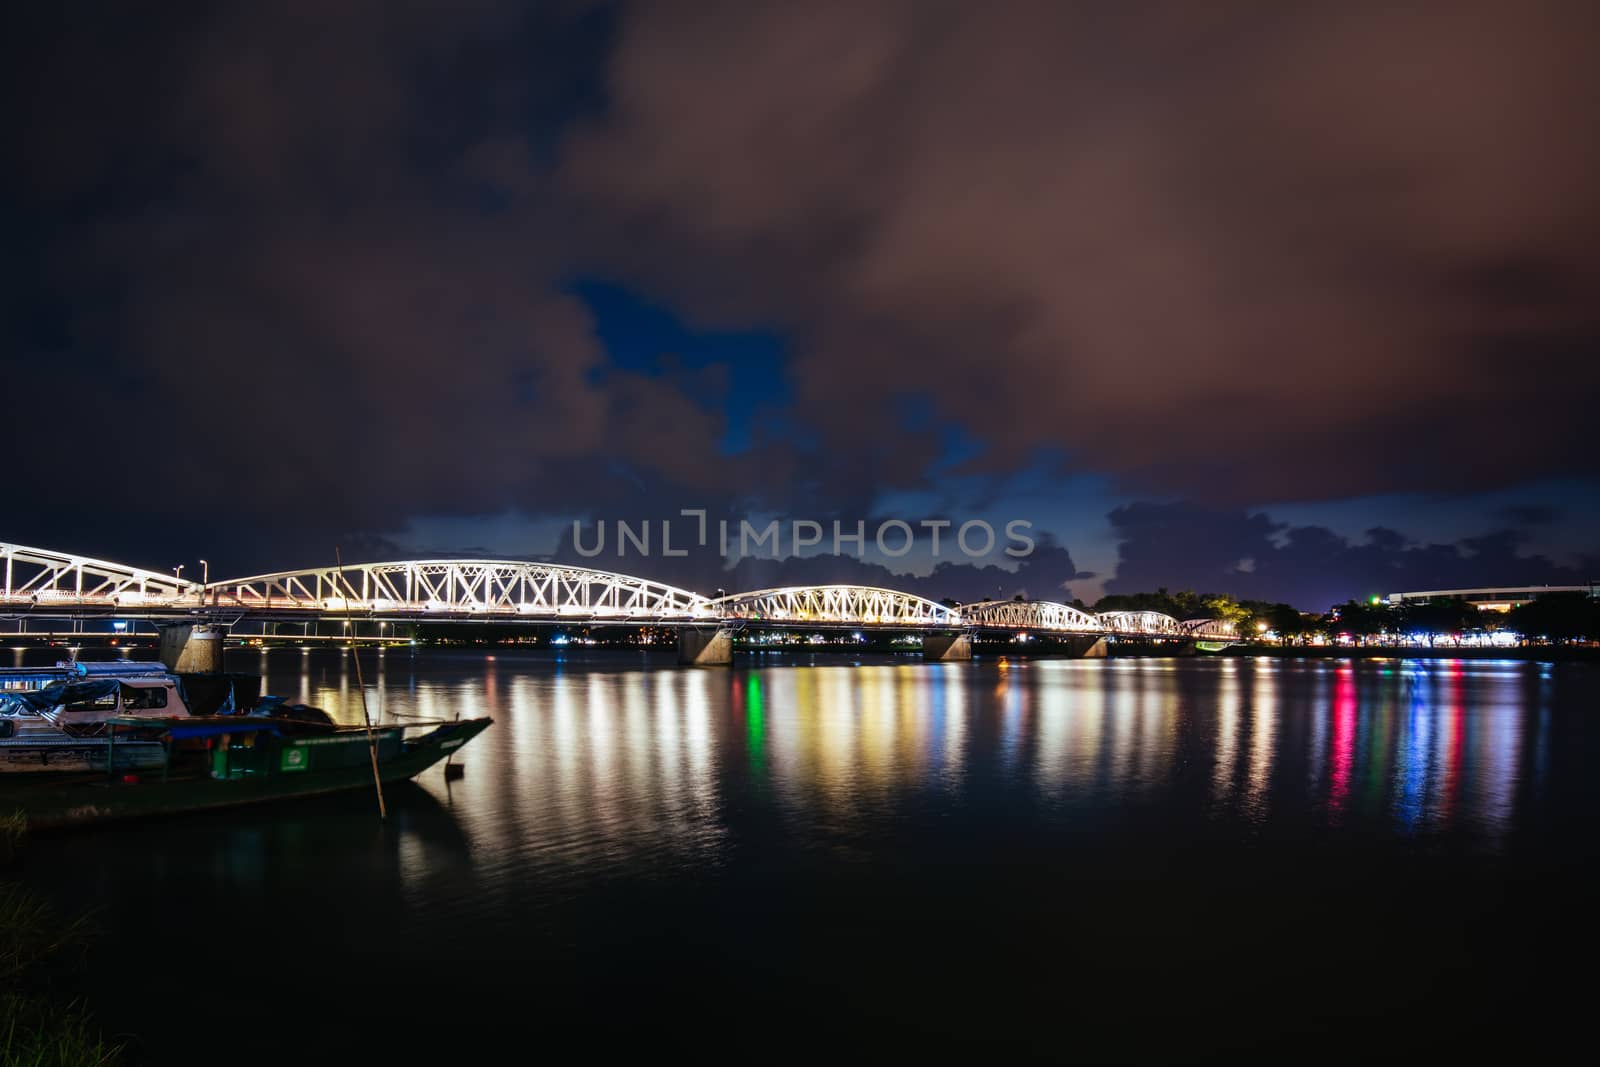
[{"x": 1104, "y": 860}]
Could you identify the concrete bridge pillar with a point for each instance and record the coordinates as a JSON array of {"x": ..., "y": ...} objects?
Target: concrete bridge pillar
[
  {"x": 948, "y": 648},
  {"x": 1096, "y": 650},
  {"x": 191, "y": 646},
  {"x": 705, "y": 648}
]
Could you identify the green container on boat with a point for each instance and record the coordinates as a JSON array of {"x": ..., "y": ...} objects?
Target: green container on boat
[{"x": 246, "y": 755}]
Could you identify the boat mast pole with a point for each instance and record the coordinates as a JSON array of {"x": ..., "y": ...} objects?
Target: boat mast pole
[{"x": 355, "y": 654}]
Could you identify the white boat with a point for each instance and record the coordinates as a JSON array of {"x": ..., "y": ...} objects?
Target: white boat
[{"x": 54, "y": 720}]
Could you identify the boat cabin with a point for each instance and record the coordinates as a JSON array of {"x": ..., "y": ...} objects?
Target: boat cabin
[
  {"x": 78, "y": 700},
  {"x": 97, "y": 700}
]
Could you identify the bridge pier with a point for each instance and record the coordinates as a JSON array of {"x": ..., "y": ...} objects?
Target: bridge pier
[
  {"x": 705, "y": 647},
  {"x": 1096, "y": 650},
  {"x": 947, "y": 648},
  {"x": 191, "y": 646}
]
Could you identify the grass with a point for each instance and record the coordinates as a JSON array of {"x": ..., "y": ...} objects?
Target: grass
[
  {"x": 13, "y": 829},
  {"x": 39, "y": 1025},
  {"x": 38, "y": 1035}
]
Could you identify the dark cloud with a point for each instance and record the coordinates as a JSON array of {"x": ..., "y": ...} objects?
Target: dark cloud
[
  {"x": 281, "y": 274},
  {"x": 305, "y": 275},
  {"x": 1235, "y": 251},
  {"x": 1529, "y": 514},
  {"x": 1184, "y": 546}
]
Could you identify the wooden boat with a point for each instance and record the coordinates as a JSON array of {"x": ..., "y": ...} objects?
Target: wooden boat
[{"x": 227, "y": 760}]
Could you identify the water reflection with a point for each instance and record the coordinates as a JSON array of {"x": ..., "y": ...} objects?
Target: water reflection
[{"x": 597, "y": 760}]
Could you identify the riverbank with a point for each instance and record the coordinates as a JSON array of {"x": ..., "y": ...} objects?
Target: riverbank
[{"x": 1528, "y": 653}]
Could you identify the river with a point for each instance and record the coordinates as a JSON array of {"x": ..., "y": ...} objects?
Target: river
[{"x": 1032, "y": 859}]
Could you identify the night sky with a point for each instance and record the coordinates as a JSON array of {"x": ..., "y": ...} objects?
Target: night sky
[{"x": 1289, "y": 301}]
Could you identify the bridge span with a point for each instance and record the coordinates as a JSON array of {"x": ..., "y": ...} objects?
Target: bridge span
[{"x": 44, "y": 584}]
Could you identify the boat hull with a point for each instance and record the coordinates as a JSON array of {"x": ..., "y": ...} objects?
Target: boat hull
[
  {"x": 54, "y": 805},
  {"x": 66, "y": 755}
]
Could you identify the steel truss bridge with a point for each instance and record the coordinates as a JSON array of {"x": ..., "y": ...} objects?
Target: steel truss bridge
[{"x": 40, "y": 583}]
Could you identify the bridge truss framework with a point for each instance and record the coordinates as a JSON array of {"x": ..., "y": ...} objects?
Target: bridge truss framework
[{"x": 42, "y": 583}]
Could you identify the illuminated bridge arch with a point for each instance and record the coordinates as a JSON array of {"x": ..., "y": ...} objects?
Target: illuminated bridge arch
[
  {"x": 852, "y": 605},
  {"x": 1142, "y": 623},
  {"x": 1211, "y": 629},
  {"x": 473, "y": 588},
  {"x": 1030, "y": 615},
  {"x": 40, "y": 578}
]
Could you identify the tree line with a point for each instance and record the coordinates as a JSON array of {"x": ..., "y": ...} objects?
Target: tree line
[
  {"x": 1559, "y": 617},
  {"x": 1562, "y": 616}
]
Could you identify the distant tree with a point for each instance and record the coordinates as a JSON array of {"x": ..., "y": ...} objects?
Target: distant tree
[
  {"x": 1286, "y": 622},
  {"x": 1497, "y": 621},
  {"x": 1558, "y": 617},
  {"x": 1360, "y": 620},
  {"x": 1439, "y": 615},
  {"x": 1179, "y": 606},
  {"x": 1019, "y": 598},
  {"x": 1221, "y": 606},
  {"x": 950, "y": 602}
]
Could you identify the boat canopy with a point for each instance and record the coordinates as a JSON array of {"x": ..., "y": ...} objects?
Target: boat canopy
[
  {"x": 277, "y": 707},
  {"x": 34, "y": 701},
  {"x": 122, "y": 668},
  {"x": 14, "y": 678}
]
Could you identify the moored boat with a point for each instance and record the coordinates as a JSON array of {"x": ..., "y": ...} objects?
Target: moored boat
[
  {"x": 88, "y": 742},
  {"x": 246, "y": 759}
]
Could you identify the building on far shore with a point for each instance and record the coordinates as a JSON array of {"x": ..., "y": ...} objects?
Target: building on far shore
[{"x": 1494, "y": 598}]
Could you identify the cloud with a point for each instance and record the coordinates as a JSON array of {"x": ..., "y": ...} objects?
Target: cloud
[
  {"x": 1221, "y": 251},
  {"x": 304, "y": 274},
  {"x": 1186, "y": 546},
  {"x": 1529, "y": 514},
  {"x": 286, "y": 272}
]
